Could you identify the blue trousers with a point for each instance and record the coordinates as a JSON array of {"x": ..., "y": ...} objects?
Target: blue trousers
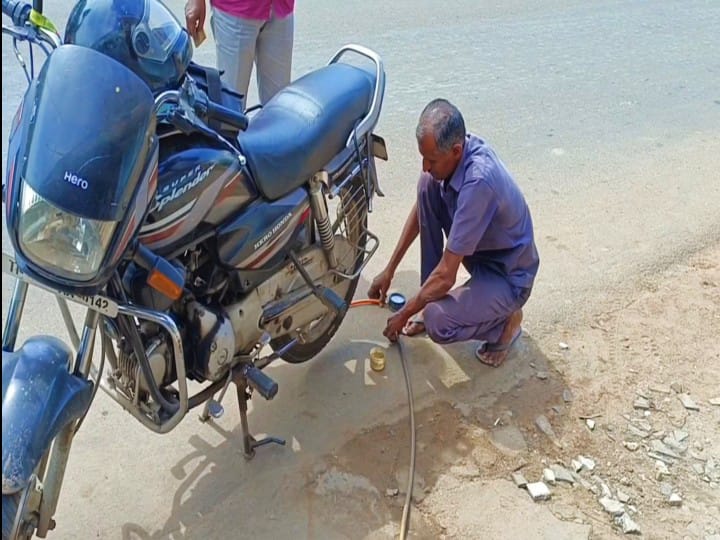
[{"x": 476, "y": 310}]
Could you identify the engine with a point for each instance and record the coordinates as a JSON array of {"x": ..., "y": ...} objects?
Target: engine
[
  {"x": 216, "y": 332},
  {"x": 278, "y": 306},
  {"x": 212, "y": 336}
]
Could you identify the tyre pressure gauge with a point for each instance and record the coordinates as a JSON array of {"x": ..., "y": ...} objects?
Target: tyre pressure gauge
[{"x": 396, "y": 301}]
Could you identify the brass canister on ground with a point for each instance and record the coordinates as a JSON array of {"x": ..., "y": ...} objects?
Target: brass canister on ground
[{"x": 377, "y": 359}]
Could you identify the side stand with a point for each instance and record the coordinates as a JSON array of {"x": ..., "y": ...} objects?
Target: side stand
[{"x": 249, "y": 442}]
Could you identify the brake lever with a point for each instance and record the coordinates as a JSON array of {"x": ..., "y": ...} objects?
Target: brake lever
[
  {"x": 23, "y": 33},
  {"x": 179, "y": 120}
]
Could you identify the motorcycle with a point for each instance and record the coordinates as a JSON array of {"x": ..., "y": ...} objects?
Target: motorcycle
[{"x": 203, "y": 242}]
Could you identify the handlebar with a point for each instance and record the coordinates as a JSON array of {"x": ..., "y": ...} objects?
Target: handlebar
[
  {"x": 17, "y": 10},
  {"x": 203, "y": 107},
  {"x": 215, "y": 111}
]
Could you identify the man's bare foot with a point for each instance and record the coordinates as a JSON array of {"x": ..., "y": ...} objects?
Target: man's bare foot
[
  {"x": 494, "y": 354},
  {"x": 414, "y": 327}
]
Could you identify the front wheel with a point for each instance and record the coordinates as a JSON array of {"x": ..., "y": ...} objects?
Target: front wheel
[
  {"x": 351, "y": 223},
  {"x": 14, "y": 526}
]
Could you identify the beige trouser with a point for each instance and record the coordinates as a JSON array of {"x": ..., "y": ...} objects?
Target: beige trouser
[{"x": 240, "y": 42}]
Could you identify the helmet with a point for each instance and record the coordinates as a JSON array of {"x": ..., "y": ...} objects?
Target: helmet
[{"x": 141, "y": 34}]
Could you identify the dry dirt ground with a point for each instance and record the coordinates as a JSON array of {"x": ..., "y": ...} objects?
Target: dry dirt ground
[{"x": 626, "y": 367}]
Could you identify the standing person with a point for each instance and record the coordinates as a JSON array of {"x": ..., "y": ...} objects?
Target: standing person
[
  {"x": 465, "y": 194},
  {"x": 247, "y": 32}
]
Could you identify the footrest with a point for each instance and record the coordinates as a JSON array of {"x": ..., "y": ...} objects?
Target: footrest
[
  {"x": 261, "y": 382},
  {"x": 332, "y": 300}
]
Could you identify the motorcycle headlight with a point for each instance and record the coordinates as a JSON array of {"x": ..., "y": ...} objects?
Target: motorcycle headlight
[{"x": 69, "y": 245}]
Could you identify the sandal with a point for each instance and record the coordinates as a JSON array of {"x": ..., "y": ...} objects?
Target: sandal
[
  {"x": 486, "y": 347},
  {"x": 415, "y": 322}
]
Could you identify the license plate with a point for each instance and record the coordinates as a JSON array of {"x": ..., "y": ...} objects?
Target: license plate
[{"x": 96, "y": 302}]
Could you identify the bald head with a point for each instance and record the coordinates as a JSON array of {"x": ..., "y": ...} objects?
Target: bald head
[{"x": 443, "y": 121}]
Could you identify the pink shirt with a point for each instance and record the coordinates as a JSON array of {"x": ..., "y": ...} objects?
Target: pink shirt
[{"x": 255, "y": 9}]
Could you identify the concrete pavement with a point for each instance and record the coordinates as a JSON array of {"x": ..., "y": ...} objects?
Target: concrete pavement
[{"x": 608, "y": 114}]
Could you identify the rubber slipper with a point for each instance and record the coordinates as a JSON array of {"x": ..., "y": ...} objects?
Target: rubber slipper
[
  {"x": 496, "y": 347},
  {"x": 416, "y": 320}
]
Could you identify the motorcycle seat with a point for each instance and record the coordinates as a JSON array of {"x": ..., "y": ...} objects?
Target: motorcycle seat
[{"x": 304, "y": 126}]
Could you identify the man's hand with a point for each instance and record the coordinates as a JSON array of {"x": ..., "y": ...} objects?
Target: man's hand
[
  {"x": 195, "y": 19},
  {"x": 395, "y": 325},
  {"x": 380, "y": 285}
]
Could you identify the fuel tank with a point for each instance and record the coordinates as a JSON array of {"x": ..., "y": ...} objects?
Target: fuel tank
[{"x": 198, "y": 188}]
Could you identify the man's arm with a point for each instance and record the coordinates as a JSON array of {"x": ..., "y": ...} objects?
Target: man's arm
[
  {"x": 409, "y": 233},
  {"x": 381, "y": 283},
  {"x": 437, "y": 285}
]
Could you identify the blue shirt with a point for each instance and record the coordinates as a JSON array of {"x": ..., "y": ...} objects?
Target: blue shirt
[{"x": 491, "y": 223}]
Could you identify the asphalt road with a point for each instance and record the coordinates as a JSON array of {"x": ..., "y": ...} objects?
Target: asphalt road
[{"x": 607, "y": 112}]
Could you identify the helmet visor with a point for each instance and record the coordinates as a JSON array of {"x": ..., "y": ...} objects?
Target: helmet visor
[{"x": 154, "y": 36}]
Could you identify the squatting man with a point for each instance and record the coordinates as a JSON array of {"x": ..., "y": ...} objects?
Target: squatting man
[{"x": 469, "y": 211}]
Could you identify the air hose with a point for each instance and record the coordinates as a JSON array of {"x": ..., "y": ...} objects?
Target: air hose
[{"x": 405, "y": 521}]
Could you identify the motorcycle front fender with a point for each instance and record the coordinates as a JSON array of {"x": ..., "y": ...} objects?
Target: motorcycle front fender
[{"x": 39, "y": 397}]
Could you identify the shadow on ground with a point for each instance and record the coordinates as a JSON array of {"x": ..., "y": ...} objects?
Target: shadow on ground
[{"x": 348, "y": 437}]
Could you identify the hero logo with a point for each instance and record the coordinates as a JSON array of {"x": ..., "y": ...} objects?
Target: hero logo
[
  {"x": 268, "y": 235},
  {"x": 75, "y": 180},
  {"x": 181, "y": 186}
]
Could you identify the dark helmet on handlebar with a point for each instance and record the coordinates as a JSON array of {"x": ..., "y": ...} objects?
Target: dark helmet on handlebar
[{"x": 141, "y": 34}]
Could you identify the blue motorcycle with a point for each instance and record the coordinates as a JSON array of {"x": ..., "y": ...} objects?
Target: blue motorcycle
[{"x": 192, "y": 232}]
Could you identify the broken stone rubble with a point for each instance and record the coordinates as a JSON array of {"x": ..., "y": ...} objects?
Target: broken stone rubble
[
  {"x": 612, "y": 507},
  {"x": 688, "y": 402},
  {"x": 643, "y": 424},
  {"x": 548, "y": 476},
  {"x": 586, "y": 463},
  {"x": 632, "y": 446},
  {"x": 666, "y": 489},
  {"x": 627, "y": 525},
  {"x": 562, "y": 474},
  {"x": 666, "y": 445},
  {"x": 661, "y": 470},
  {"x": 660, "y": 448},
  {"x": 642, "y": 403},
  {"x": 677, "y": 446},
  {"x": 615, "y": 506},
  {"x": 604, "y": 489},
  {"x": 538, "y": 491},
  {"x": 677, "y": 387},
  {"x": 623, "y": 497},
  {"x": 519, "y": 480},
  {"x": 544, "y": 426},
  {"x": 661, "y": 457}
]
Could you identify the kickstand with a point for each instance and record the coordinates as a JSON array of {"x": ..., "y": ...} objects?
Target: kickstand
[{"x": 249, "y": 442}]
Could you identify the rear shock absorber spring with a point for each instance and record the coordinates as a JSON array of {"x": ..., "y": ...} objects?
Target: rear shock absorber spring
[{"x": 322, "y": 219}]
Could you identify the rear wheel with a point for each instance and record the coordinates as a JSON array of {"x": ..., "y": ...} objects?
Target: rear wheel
[{"x": 351, "y": 222}]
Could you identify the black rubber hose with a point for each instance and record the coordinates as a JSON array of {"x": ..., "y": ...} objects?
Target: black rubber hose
[{"x": 405, "y": 521}]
